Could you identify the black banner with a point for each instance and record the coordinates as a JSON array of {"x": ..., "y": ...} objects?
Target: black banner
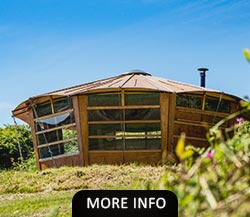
[{"x": 124, "y": 203}]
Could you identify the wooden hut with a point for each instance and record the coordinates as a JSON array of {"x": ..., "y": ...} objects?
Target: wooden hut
[{"x": 132, "y": 117}]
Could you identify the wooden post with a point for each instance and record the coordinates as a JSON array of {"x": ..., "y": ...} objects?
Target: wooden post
[
  {"x": 33, "y": 132},
  {"x": 171, "y": 119},
  {"x": 164, "y": 103},
  {"x": 78, "y": 128},
  {"x": 83, "y": 101}
]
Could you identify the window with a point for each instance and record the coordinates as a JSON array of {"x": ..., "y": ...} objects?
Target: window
[
  {"x": 215, "y": 104},
  {"x": 129, "y": 121},
  {"x": 142, "y": 99},
  {"x": 143, "y": 136},
  {"x": 63, "y": 104},
  {"x": 55, "y": 121},
  {"x": 105, "y": 115},
  {"x": 55, "y": 128},
  {"x": 43, "y": 109},
  {"x": 142, "y": 114},
  {"x": 190, "y": 101},
  {"x": 112, "y": 99}
]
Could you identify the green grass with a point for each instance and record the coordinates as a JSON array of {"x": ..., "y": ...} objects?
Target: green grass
[
  {"x": 68, "y": 178},
  {"x": 39, "y": 204},
  {"x": 50, "y": 192},
  {"x": 214, "y": 184}
]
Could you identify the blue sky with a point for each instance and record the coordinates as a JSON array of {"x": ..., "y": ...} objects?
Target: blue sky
[{"x": 47, "y": 45}]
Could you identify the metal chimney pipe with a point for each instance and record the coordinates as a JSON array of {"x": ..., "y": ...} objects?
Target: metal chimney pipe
[{"x": 203, "y": 76}]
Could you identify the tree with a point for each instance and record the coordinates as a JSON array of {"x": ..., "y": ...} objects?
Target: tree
[{"x": 9, "y": 152}]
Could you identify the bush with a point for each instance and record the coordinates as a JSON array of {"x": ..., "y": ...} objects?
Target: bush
[
  {"x": 217, "y": 182},
  {"x": 9, "y": 152},
  {"x": 27, "y": 165}
]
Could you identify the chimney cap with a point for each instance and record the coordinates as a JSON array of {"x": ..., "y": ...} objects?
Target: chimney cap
[
  {"x": 136, "y": 72},
  {"x": 202, "y": 69}
]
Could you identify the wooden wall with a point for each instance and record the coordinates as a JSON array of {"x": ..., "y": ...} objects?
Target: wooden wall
[
  {"x": 195, "y": 124},
  {"x": 59, "y": 161},
  {"x": 174, "y": 120},
  {"x": 118, "y": 157}
]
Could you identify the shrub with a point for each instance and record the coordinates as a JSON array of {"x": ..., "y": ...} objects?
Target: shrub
[
  {"x": 9, "y": 152},
  {"x": 217, "y": 182}
]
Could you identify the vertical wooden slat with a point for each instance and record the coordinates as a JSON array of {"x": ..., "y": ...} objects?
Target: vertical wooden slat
[
  {"x": 234, "y": 107},
  {"x": 164, "y": 120},
  {"x": 123, "y": 97},
  {"x": 33, "y": 132},
  {"x": 78, "y": 128},
  {"x": 122, "y": 123},
  {"x": 203, "y": 101},
  {"x": 172, "y": 107},
  {"x": 83, "y": 100},
  {"x": 52, "y": 105}
]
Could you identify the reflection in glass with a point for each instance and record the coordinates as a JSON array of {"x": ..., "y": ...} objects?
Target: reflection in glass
[{"x": 52, "y": 122}]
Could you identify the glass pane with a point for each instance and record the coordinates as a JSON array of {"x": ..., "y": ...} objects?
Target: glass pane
[
  {"x": 189, "y": 101},
  {"x": 51, "y": 151},
  {"x": 143, "y": 129},
  {"x": 105, "y": 115},
  {"x": 55, "y": 121},
  {"x": 142, "y": 114},
  {"x": 105, "y": 129},
  {"x": 104, "y": 100},
  {"x": 63, "y": 104},
  {"x": 106, "y": 144},
  {"x": 56, "y": 135},
  {"x": 142, "y": 99},
  {"x": 143, "y": 143},
  {"x": 59, "y": 149},
  {"x": 49, "y": 137},
  {"x": 214, "y": 104},
  {"x": 42, "y": 110}
]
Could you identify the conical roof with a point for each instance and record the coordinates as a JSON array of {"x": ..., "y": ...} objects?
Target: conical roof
[{"x": 135, "y": 79}]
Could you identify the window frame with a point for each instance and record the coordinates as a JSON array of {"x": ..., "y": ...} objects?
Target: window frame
[
  {"x": 123, "y": 122},
  {"x": 204, "y": 98},
  {"x": 51, "y": 101}
]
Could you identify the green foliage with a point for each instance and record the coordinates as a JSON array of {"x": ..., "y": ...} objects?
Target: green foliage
[
  {"x": 9, "y": 152},
  {"x": 246, "y": 53},
  {"x": 27, "y": 165},
  {"x": 217, "y": 183},
  {"x": 40, "y": 204},
  {"x": 71, "y": 146}
]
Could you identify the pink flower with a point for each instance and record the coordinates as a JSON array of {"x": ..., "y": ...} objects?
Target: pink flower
[
  {"x": 240, "y": 120},
  {"x": 209, "y": 155}
]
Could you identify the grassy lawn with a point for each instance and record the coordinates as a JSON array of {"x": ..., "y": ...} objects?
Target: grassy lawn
[
  {"x": 37, "y": 204},
  {"x": 50, "y": 192}
]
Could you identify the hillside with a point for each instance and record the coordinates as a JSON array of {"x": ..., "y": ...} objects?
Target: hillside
[{"x": 49, "y": 192}]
